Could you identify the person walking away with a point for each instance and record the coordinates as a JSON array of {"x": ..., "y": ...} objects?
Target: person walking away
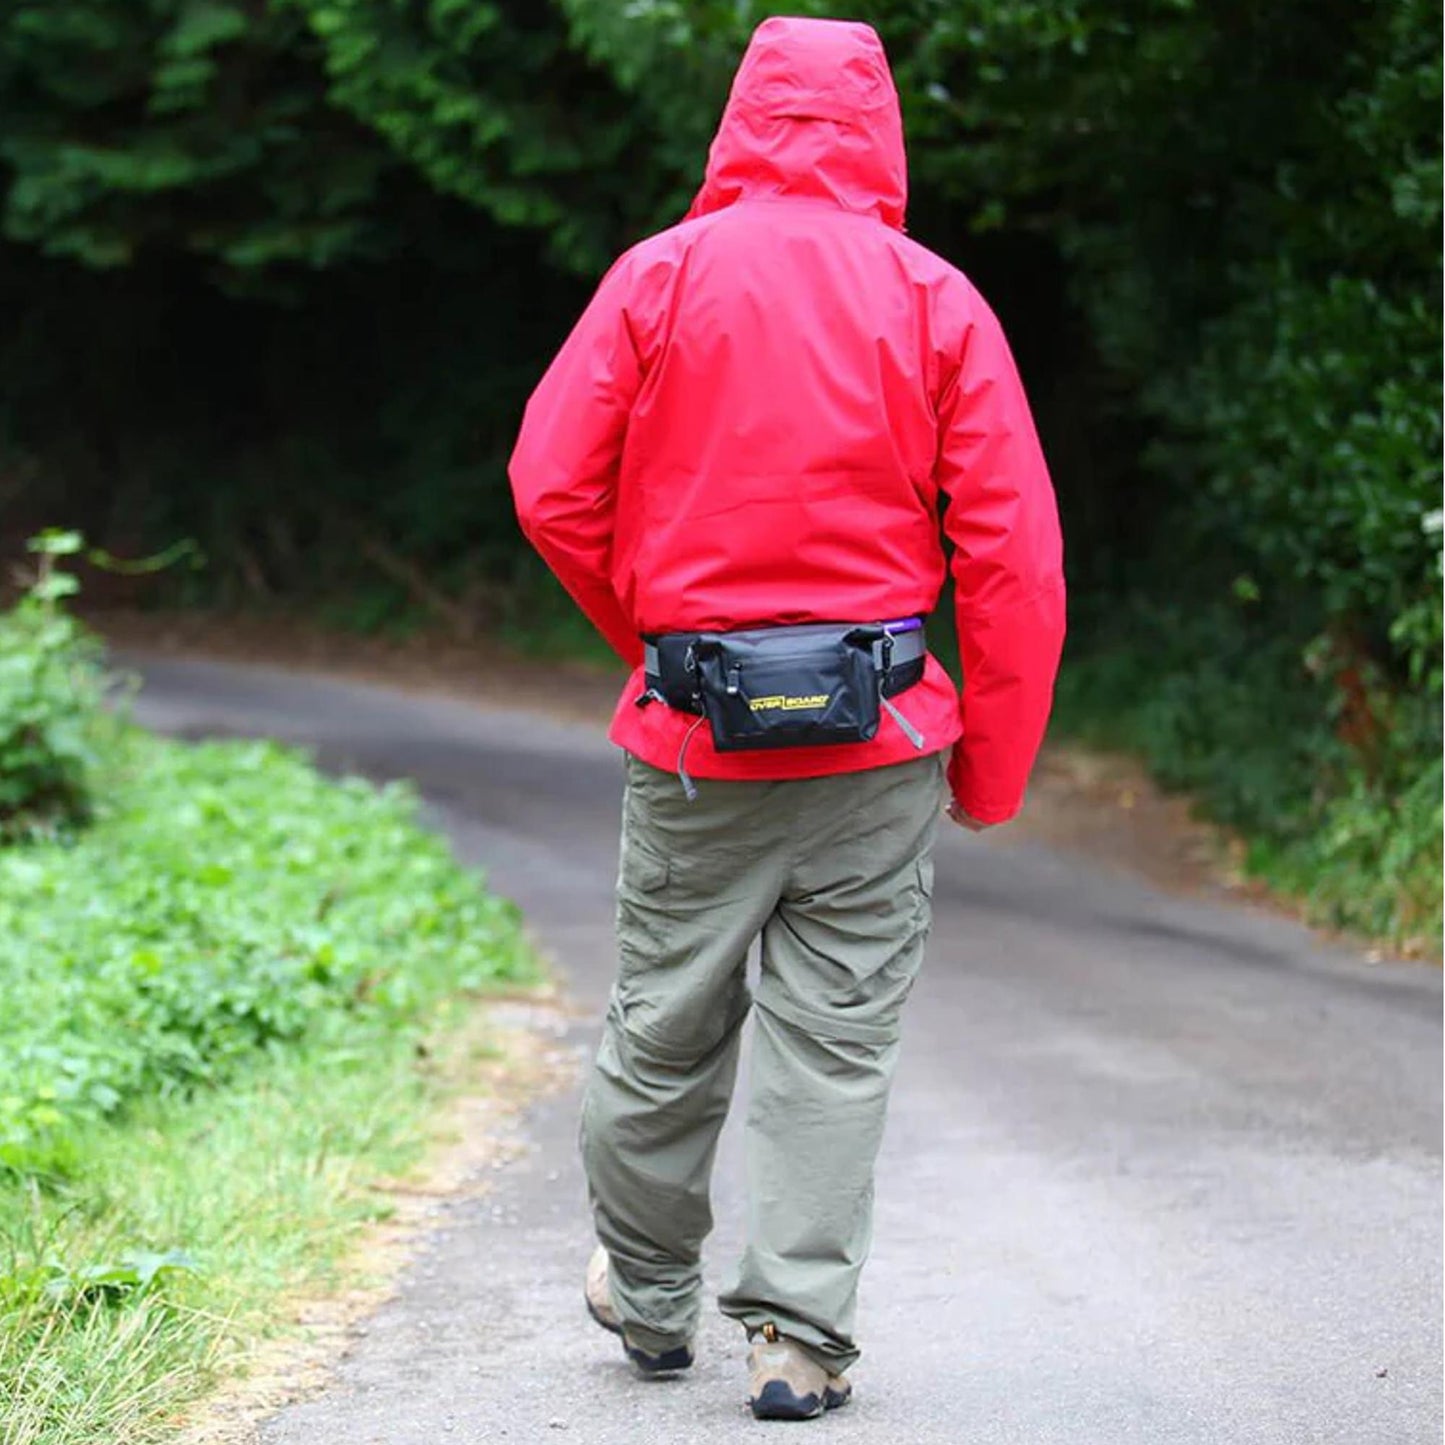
[{"x": 734, "y": 465}]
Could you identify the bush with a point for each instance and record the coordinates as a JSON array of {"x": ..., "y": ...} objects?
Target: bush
[
  {"x": 1338, "y": 798},
  {"x": 51, "y": 687},
  {"x": 228, "y": 903}
]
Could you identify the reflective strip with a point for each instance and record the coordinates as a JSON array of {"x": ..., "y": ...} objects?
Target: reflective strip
[{"x": 909, "y": 731}]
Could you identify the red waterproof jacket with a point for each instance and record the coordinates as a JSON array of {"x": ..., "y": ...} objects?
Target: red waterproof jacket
[{"x": 755, "y": 418}]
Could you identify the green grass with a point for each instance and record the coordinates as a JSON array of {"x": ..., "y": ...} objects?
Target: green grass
[
  {"x": 262, "y": 1186},
  {"x": 216, "y": 1003}
]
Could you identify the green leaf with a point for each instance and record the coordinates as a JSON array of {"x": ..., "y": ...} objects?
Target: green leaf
[{"x": 56, "y": 542}]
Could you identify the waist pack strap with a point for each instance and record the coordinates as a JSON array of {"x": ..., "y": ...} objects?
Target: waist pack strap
[{"x": 903, "y": 642}]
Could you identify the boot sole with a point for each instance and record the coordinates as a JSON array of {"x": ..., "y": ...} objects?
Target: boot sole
[
  {"x": 672, "y": 1362},
  {"x": 777, "y": 1402}
]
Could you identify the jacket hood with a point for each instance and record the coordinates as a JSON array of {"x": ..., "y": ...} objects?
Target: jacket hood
[{"x": 812, "y": 112}]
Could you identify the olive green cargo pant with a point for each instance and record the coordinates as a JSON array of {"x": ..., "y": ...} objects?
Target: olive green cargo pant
[{"x": 835, "y": 874}]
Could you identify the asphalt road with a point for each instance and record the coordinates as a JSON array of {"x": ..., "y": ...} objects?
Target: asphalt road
[{"x": 1157, "y": 1170}]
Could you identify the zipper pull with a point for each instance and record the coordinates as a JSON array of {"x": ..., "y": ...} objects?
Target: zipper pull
[
  {"x": 689, "y": 788},
  {"x": 909, "y": 731}
]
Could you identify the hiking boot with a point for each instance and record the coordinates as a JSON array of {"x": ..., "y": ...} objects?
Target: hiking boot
[
  {"x": 601, "y": 1308},
  {"x": 787, "y": 1384}
]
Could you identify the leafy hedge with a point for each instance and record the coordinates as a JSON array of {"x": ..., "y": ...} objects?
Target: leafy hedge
[
  {"x": 228, "y": 902},
  {"x": 1217, "y": 705}
]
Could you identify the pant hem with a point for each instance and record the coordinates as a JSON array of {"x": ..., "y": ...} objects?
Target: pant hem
[
  {"x": 650, "y": 1341},
  {"x": 826, "y": 1353}
]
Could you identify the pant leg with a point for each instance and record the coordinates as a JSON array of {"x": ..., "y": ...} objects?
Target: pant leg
[
  {"x": 840, "y": 956},
  {"x": 695, "y": 885}
]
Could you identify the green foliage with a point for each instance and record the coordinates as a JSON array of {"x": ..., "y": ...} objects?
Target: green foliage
[
  {"x": 1248, "y": 200},
  {"x": 1374, "y": 865},
  {"x": 303, "y": 132},
  {"x": 214, "y": 1001},
  {"x": 51, "y": 688},
  {"x": 190, "y": 1224},
  {"x": 1220, "y": 704},
  {"x": 114, "y": 1281},
  {"x": 1251, "y": 209},
  {"x": 1323, "y": 455},
  {"x": 229, "y": 903},
  {"x": 674, "y": 60},
  {"x": 192, "y": 125},
  {"x": 490, "y": 104},
  {"x": 1213, "y": 231},
  {"x": 539, "y": 619},
  {"x": 1312, "y": 408}
]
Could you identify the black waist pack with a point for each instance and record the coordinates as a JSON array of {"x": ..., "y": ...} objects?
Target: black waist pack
[{"x": 788, "y": 687}]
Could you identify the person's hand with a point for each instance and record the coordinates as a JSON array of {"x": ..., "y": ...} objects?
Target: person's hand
[{"x": 963, "y": 818}]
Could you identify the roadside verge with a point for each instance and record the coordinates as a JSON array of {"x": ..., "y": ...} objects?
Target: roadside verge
[{"x": 251, "y": 1035}]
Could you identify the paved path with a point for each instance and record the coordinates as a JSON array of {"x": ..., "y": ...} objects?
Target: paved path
[{"x": 1157, "y": 1171}]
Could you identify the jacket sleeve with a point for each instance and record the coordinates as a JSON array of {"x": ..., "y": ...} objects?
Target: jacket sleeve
[
  {"x": 564, "y": 467},
  {"x": 1007, "y": 569}
]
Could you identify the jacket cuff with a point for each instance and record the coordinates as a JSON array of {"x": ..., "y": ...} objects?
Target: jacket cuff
[{"x": 985, "y": 810}]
